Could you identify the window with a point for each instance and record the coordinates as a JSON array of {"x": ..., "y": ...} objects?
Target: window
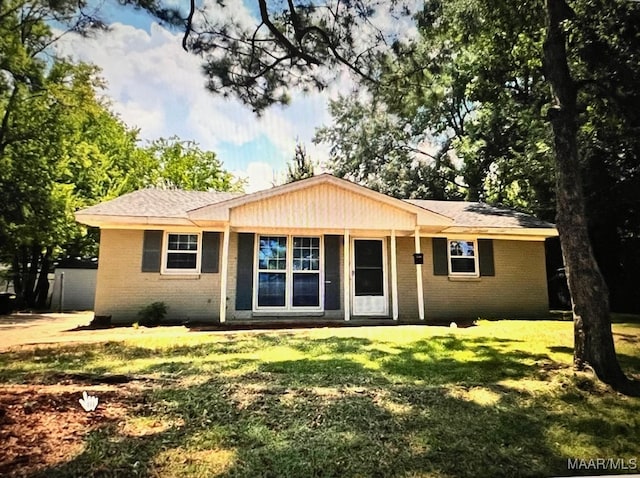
[
  {"x": 272, "y": 271},
  {"x": 182, "y": 252},
  {"x": 463, "y": 258},
  {"x": 306, "y": 272},
  {"x": 288, "y": 272}
]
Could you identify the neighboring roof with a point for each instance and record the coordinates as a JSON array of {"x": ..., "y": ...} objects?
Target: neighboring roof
[
  {"x": 477, "y": 214},
  {"x": 162, "y": 203}
]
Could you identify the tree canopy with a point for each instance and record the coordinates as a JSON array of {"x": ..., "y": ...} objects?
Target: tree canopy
[{"x": 61, "y": 149}]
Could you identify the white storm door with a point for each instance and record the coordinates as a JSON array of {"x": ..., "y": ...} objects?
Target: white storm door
[{"x": 369, "y": 285}]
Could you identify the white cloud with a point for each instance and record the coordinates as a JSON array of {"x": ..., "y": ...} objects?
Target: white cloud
[
  {"x": 158, "y": 87},
  {"x": 259, "y": 176}
]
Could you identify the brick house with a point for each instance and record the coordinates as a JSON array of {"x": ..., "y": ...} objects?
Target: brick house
[{"x": 319, "y": 249}]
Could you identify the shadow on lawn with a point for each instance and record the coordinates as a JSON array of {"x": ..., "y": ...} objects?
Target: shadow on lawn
[
  {"x": 231, "y": 430},
  {"x": 351, "y": 407},
  {"x": 629, "y": 363}
]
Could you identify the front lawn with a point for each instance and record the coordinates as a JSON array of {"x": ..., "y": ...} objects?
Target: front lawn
[{"x": 497, "y": 399}]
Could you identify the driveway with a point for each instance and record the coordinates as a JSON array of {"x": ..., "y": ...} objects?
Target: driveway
[{"x": 28, "y": 329}]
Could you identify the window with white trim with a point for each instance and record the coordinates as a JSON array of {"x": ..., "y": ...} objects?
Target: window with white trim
[
  {"x": 182, "y": 252},
  {"x": 272, "y": 271},
  {"x": 463, "y": 258},
  {"x": 306, "y": 272},
  {"x": 288, "y": 272}
]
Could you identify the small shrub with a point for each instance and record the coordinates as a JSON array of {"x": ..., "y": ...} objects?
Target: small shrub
[{"x": 152, "y": 314}]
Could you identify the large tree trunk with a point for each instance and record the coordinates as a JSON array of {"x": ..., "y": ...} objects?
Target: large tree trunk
[{"x": 589, "y": 295}]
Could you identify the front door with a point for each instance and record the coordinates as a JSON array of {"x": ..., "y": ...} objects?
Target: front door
[{"x": 369, "y": 287}]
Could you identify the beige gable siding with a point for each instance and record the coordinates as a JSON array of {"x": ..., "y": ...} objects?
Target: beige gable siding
[
  {"x": 323, "y": 206},
  {"x": 518, "y": 289},
  {"x": 122, "y": 290}
]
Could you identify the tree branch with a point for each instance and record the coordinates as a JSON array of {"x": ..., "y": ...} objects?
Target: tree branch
[{"x": 188, "y": 26}]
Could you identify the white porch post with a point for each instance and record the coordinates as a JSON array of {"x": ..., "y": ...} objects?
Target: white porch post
[
  {"x": 394, "y": 276},
  {"x": 223, "y": 273},
  {"x": 347, "y": 275},
  {"x": 419, "y": 278}
]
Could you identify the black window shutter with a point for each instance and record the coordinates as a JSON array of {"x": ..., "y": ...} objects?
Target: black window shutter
[
  {"x": 332, "y": 272},
  {"x": 151, "y": 251},
  {"x": 485, "y": 257},
  {"x": 440, "y": 261},
  {"x": 210, "y": 252},
  {"x": 244, "y": 277}
]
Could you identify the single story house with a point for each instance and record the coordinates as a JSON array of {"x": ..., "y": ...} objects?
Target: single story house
[{"x": 322, "y": 248}]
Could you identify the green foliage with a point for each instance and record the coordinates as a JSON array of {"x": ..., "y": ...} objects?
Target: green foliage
[
  {"x": 152, "y": 314},
  {"x": 386, "y": 151},
  {"x": 454, "y": 113},
  {"x": 62, "y": 149},
  {"x": 183, "y": 165},
  {"x": 301, "y": 167}
]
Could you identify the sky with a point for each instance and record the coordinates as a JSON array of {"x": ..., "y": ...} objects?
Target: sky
[
  {"x": 157, "y": 87},
  {"x": 154, "y": 85}
]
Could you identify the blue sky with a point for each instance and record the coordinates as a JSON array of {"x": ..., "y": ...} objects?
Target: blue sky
[{"x": 157, "y": 87}]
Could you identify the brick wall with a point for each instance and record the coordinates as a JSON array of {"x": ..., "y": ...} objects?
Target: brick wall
[
  {"x": 518, "y": 289},
  {"x": 122, "y": 289}
]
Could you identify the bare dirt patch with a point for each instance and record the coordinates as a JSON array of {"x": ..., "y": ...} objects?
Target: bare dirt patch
[{"x": 42, "y": 426}]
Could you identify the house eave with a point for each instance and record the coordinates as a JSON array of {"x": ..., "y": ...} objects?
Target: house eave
[
  {"x": 513, "y": 233},
  {"x": 111, "y": 221}
]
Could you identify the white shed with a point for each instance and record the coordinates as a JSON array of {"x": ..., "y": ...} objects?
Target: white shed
[{"x": 74, "y": 286}]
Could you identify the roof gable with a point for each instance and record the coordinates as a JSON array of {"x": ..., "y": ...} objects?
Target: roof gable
[{"x": 321, "y": 201}]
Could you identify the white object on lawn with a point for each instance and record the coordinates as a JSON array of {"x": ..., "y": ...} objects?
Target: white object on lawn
[{"x": 88, "y": 402}]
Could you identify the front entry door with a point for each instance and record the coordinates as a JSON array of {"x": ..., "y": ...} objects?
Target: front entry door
[{"x": 369, "y": 288}]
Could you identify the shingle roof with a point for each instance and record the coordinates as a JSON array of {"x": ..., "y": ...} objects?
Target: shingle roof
[
  {"x": 157, "y": 203},
  {"x": 163, "y": 203},
  {"x": 477, "y": 214}
]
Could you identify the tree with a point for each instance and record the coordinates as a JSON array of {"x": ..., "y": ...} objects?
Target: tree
[
  {"x": 441, "y": 113},
  {"x": 293, "y": 40},
  {"x": 183, "y": 165},
  {"x": 301, "y": 166},
  {"x": 592, "y": 325},
  {"x": 66, "y": 151},
  {"x": 388, "y": 152},
  {"x": 62, "y": 149}
]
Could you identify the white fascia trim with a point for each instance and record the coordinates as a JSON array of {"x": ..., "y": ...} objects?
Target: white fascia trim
[{"x": 112, "y": 222}]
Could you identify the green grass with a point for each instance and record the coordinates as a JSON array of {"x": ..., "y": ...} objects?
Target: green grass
[{"x": 498, "y": 399}]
